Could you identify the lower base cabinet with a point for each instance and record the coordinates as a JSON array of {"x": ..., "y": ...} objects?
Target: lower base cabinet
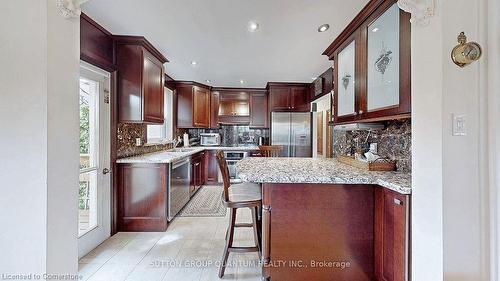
[
  {"x": 392, "y": 235},
  {"x": 211, "y": 167},
  {"x": 327, "y": 232},
  {"x": 197, "y": 172},
  {"x": 142, "y": 197}
]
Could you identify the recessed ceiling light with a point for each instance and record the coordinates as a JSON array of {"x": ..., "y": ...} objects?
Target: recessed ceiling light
[
  {"x": 193, "y": 63},
  {"x": 375, "y": 29},
  {"x": 253, "y": 26},
  {"x": 313, "y": 78},
  {"x": 208, "y": 81},
  {"x": 323, "y": 27},
  {"x": 242, "y": 82}
]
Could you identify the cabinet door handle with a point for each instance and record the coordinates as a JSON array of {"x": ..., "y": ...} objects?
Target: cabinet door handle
[{"x": 398, "y": 202}]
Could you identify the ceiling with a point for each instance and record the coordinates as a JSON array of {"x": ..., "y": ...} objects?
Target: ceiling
[{"x": 214, "y": 33}]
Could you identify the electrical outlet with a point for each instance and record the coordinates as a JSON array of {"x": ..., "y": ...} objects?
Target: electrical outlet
[
  {"x": 138, "y": 142},
  {"x": 459, "y": 125}
]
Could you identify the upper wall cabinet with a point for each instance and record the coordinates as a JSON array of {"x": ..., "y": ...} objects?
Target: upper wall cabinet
[
  {"x": 96, "y": 44},
  {"x": 288, "y": 97},
  {"x": 140, "y": 80},
  {"x": 372, "y": 65},
  {"x": 214, "y": 109},
  {"x": 258, "y": 110},
  {"x": 193, "y": 105}
]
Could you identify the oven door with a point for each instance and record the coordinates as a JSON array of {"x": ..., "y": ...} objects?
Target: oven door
[{"x": 233, "y": 174}]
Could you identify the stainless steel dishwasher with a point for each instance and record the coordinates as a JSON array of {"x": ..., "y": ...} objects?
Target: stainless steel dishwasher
[{"x": 179, "y": 182}]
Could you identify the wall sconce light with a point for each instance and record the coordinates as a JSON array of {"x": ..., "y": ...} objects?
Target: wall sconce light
[{"x": 465, "y": 52}]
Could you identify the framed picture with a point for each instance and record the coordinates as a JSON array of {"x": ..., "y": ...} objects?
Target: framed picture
[{"x": 383, "y": 60}]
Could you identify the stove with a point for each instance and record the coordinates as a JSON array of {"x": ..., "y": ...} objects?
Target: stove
[{"x": 232, "y": 157}]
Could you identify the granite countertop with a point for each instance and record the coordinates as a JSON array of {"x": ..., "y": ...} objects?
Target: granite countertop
[
  {"x": 317, "y": 170},
  {"x": 169, "y": 156}
]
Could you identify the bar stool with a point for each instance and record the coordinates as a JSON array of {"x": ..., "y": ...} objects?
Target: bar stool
[
  {"x": 241, "y": 195},
  {"x": 270, "y": 150}
]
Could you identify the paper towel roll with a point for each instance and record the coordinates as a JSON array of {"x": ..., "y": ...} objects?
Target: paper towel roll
[{"x": 186, "y": 140}]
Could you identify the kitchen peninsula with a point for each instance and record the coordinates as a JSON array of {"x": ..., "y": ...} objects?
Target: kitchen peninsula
[{"x": 324, "y": 220}]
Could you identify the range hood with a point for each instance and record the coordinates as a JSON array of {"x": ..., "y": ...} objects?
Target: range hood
[{"x": 359, "y": 127}]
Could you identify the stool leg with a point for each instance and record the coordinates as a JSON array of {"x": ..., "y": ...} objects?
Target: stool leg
[
  {"x": 255, "y": 229},
  {"x": 229, "y": 241}
]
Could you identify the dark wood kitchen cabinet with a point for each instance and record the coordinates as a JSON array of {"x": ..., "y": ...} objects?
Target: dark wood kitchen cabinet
[
  {"x": 392, "y": 230},
  {"x": 371, "y": 97},
  {"x": 193, "y": 105},
  {"x": 234, "y": 102},
  {"x": 211, "y": 167},
  {"x": 142, "y": 197},
  {"x": 258, "y": 110},
  {"x": 293, "y": 97},
  {"x": 214, "y": 109},
  {"x": 197, "y": 171},
  {"x": 140, "y": 80},
  {"x": 96, "y": 44}
]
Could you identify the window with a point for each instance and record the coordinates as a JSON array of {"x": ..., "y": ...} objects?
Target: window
[
  {"x": 87, "y": 188},
  {"x": 163, "y": 133}
]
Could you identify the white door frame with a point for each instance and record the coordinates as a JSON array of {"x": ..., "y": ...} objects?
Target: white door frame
[
  {"x": 490, "y": 13},
  {"x": 102, "y": 231}
]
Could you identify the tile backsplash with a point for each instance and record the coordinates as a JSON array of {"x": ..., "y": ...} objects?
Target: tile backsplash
[
  {"x": 231, "y": 135},
  {"x": 127, "y": 133},
  {"x": 394, "y": 142}
]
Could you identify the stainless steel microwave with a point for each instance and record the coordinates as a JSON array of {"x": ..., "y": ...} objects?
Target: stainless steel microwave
[{"x": 209, "y": 139}]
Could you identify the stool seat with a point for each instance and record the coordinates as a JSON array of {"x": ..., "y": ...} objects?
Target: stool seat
[{"x": 245, "y": 192}]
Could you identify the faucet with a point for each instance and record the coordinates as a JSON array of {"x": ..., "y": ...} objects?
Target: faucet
[{"x": 177, "y": 140}]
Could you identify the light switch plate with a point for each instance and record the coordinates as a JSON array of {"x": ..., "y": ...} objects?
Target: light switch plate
[{"x": 459, "y": 125}]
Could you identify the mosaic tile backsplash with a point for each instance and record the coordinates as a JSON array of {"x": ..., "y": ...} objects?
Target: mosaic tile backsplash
[
  {"x": 394, "y": 142},
  {"x": 127, "y": 133},
  {"x": 234, "y": 135},
  {"x": 231, "y": 136}
]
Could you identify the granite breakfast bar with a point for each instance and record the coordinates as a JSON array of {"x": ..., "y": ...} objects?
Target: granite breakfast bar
[{"x": 324, "y": 220}]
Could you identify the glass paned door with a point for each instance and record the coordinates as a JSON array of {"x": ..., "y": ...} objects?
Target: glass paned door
[{"x": 94, "y": 184}]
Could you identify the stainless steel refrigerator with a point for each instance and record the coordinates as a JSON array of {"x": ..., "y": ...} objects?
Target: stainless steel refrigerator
[{"x": 292, "y": 130}]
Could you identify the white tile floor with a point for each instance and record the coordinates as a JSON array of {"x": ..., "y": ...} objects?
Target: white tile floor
[{"x": 190, "y": 250}]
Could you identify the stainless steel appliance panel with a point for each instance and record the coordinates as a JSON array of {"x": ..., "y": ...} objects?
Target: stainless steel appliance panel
[
  {"x": 179, "y": 184},
  {"x": 301, "y": 134},
  {"x": 210, "y": 139},
  {"x": 280, "y": 131},
  {"x": 292, "y": 130}
]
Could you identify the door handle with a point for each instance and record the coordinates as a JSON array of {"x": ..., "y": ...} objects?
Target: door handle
[{"x": 105, "y": 171}]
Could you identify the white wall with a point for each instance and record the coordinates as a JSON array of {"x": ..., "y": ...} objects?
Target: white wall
[
  {"x": 323, "y": 104},
  {"x": 39, "y": 53},
  {"x": 63, "y": 65},
  {"x": 461, "y": 183},
  {"x": 427, "y": 145},
  {"x": 449, "y": 199},
  {"x": 23, "y": 130}
]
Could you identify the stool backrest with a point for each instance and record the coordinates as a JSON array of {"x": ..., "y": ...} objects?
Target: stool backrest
[
  {"x": 270, "y": 150},
  {"x": 225, "y": 173}
]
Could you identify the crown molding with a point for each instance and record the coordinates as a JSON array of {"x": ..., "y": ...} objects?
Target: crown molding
[
  {"x": 70, "y": 8},
  {"x": 421, "y": 10}
]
